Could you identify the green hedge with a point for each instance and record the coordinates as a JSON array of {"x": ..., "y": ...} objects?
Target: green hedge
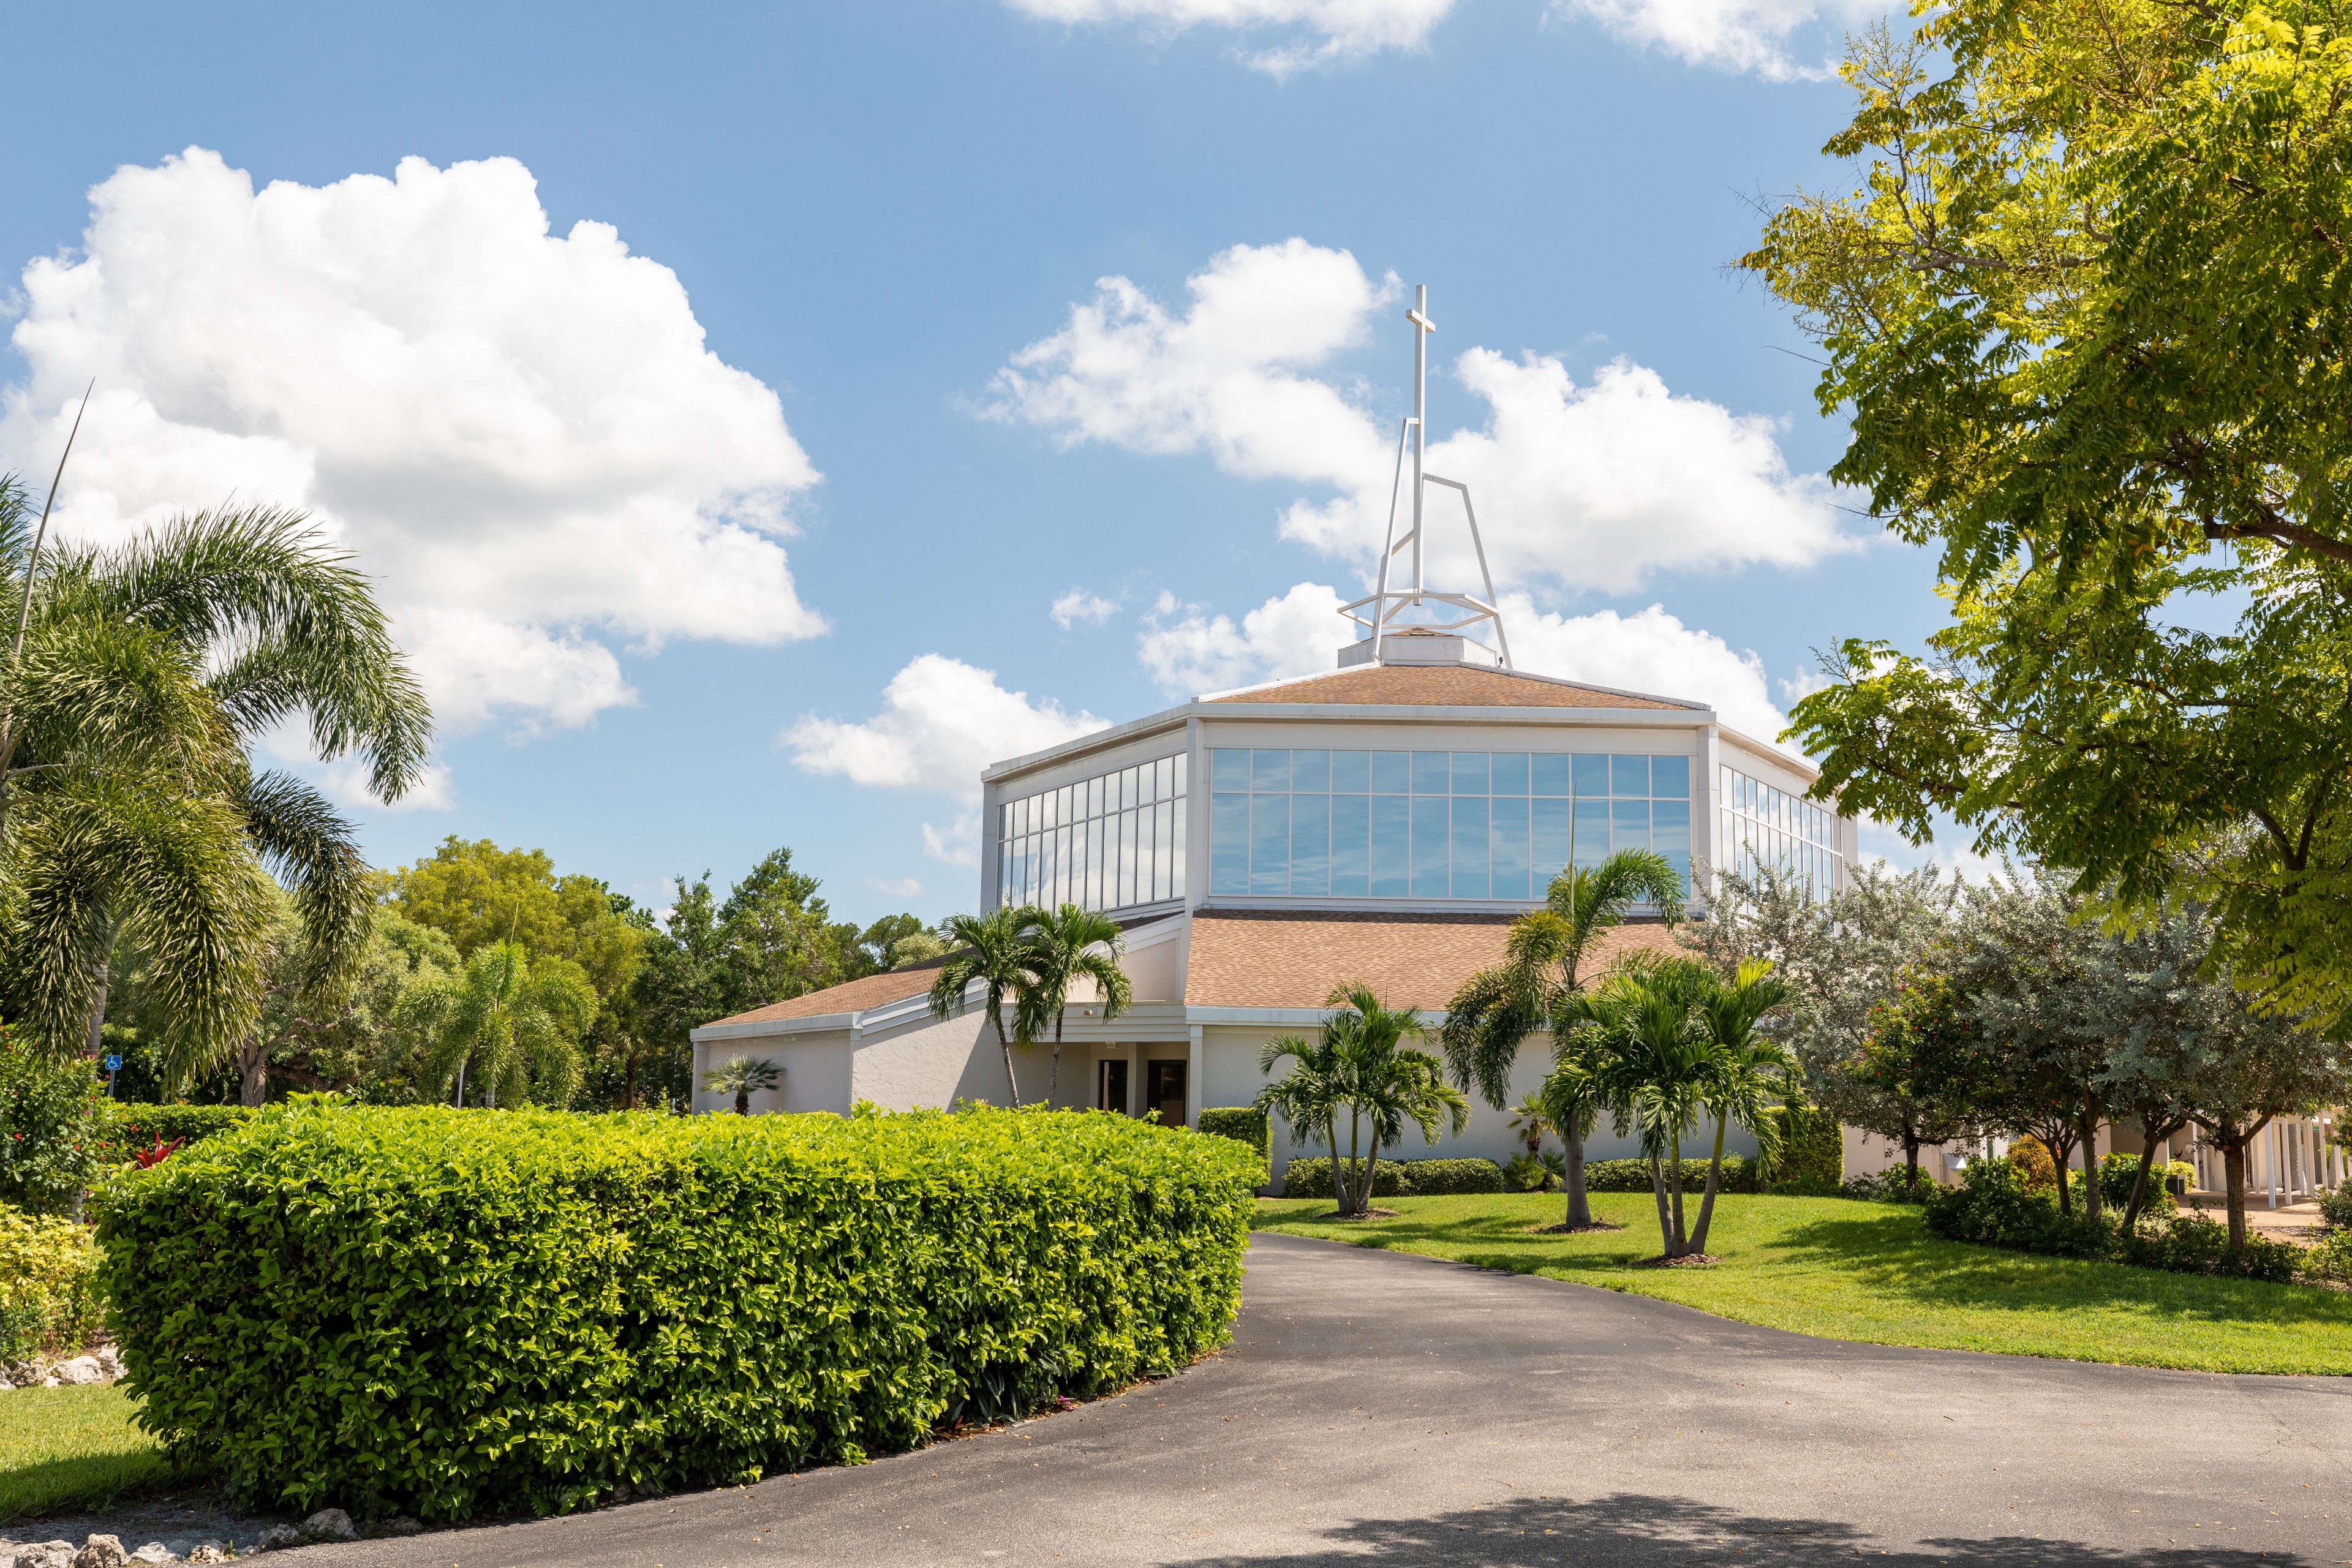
[
  {"x": 1812, "y": 1149},
  {"x": 1738, "y": 1175},
  {"x": 1311, "y": 1178},
  {"x": 456, "y": 1311},
  {"x": 1244, "y": 1125},
  {"x": 1991, "y": 1207},
  {"x": 125, "y": 1126}
]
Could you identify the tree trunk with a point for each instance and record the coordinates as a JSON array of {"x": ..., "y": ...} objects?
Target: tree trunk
[
  {"x": 2091, "y": 1203},
  {"x": 1579, "y": 1208},
  {"x": 1006, "y": 1046},
  {"x": 1910, "y": 1163},
  {"x": 1666, "y": 1225},
  {"x": 1339, "y": 1193},
  {"x": 1372, "y": 1165},
  {"x": 1054, "y": 1077},
  {"x": 2234, "y": 1162},
  {"x": 1706, "y": 1203},
  {"x": 98, "y": 1010},
  {"x": 2061, "y": 1152},
  {"x": 2138, "y": 1204},
  {"x": 743, "y": 1103},
  {"x": 1674, "y": 1185},
  {"x": 253, "y": 1074}
]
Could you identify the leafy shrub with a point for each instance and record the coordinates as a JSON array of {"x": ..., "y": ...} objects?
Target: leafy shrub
[
  {"x": 2331, "y": 1256},
  {"x": 1892, "y": 1186},
  {"x": 1311, "y": 1178},
  {"x": 2029, "y": 1158},
  {"x": 446, "y": 1312},
  {"x": 125, "y": 1127},
  {"x": 1534, "y": 1173},
  {"x": 48, "y": 1296},
  {"x": 48, "y": 1150},
  {"x": 1738, "y": 1175},
  {"x": 1992, "y": 1206},
  {"x": 2336, "y": 1207},
  {"x": 1244, "y": 1125},
  {"x": 1812, "y": 1149}
]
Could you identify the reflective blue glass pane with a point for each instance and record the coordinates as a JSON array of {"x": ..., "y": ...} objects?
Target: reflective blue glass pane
[
  {"x": 1627, "y": 775},
  {"x": 1269, "y": 843},
  {"x": 1670, "y": 778},
  {"x": 1351, "y": 860},
  {"x": 1310, "y": 844},
  {"x": 1269, "y": 771},
  {"x": 1391, "y": 846},
  {"x": 1548, "y": 775},
  {"x": 1547, "y": 842},
  {"x": 1510, "y": 772},
  {"x": 1592, "y": 775},
  {"x": 1431, "y": 826},
  {"x": 1470, "y": 773},
  {"x": 1506, "y": 847},
  {"x": 1228, "y": 843},
  {"x": 1351, "y": 772},
  {"x": 1391, "y": 772},
  {"x": 1310, "y": 771},
  {"x": 1470, "y": 846},
  {"x": 1629, "y": 825},
  {"x": 1670, "y": 835},
  {"x": 1591, "y": 832},
  {"x": 1228, "y": 770},
  {"x": 1431, "y": 773}
]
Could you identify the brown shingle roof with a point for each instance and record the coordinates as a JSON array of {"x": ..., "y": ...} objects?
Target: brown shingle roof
[
  {"x": 1295, "y": 958},
  {"x": 850, "y": 996},
  {"x": 1444, "y": 686}
]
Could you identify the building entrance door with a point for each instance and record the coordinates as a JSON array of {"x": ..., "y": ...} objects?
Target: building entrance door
[
  {"x": 1164, "y": 1093},
  {"x": 1110, "y": 1088}
]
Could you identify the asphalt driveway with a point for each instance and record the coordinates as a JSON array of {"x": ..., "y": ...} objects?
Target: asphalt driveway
[{"x": 1376, "y": 1408}]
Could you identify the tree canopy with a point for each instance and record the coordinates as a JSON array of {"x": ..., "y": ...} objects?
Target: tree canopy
[{"x": 2084, "y": 308}]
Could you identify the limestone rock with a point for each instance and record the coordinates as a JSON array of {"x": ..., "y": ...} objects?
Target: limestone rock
[
  {"x": 79, "y": 1373},
  {"x": 207, "y": 1552},
  {"x": 101, "y": 1551},
  {"x": 278, "y": 1537},
  {"x": 47, "y": 1554},
  {"x": 328, "y": 1524},
  {"x": 153, "y": 1551}
]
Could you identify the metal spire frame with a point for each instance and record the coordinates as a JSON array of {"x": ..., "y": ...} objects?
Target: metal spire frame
[{"x": 1381, "y": 612}]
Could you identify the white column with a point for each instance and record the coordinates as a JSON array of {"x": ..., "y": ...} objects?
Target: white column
[{"x": 1192, "y": 1083}]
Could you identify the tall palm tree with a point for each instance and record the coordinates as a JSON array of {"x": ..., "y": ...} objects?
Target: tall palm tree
[
  {"x": 1654, "y": 1065},
  {"x": 136, "y": 681},
  {"x": 1753, "y": 1072},
  {"x": 1306, "y": 1097},
  {"x": 1572, "y": 1098},
  {"x": 1496, "y": 1009},
  {"x": 743, "y": 1076},
  {"x": 1065, "y": 947},
  {"x": 1381, "y": 1083},
  {"x": 993, "y": 952},
  {"x": 512, "y": 1025}
]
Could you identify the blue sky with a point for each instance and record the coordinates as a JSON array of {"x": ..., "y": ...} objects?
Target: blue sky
[{"x": 682, "y": 600}]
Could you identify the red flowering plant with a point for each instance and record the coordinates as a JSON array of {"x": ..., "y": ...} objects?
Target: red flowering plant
[{"x": 149, "y": 1159}]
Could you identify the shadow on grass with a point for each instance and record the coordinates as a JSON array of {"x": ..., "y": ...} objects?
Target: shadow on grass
[
  {"x": 88, "y": 1483},
  {"x": 1631, "y": 1528}
]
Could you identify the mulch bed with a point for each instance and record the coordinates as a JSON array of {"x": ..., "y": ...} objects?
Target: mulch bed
[
  {"x": 1571, "y": 1229},
  {"x": 1688, "y": 1260},
  {"x": 1368, "y": 1214}
]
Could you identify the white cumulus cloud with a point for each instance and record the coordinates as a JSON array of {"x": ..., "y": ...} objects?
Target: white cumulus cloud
[
  {"x": 1078, "y": 605},
  {"x": 1188, "y": 650},
  {"x": 1315, "y": 32},
  {"x": 942, "y": 720},
  {"x": 1587, "y": 487},
  {"x": 1725, "y": 35},
  {"x": 522, "y": 436},
  {"x": 1650, "y": 652},
  {"x": 897, "y": 887}
]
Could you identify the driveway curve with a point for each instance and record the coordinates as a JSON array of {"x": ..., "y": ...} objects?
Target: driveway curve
[{"x": 1380, "y": 1408}]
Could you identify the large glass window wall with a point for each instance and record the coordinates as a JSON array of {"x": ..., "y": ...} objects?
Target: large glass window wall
[
  {"x": 1434, "y": 825},
  {"x": 1764, "y": 826},
  {"x": 1108, "y": 843}
]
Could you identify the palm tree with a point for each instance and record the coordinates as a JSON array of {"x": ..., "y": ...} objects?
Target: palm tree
[
  {"x": 994, "y": 954},
  {"x": 1652, "y": 1066},
  {"x": 1572, "y": 1101},
  {"x": 514, "y": 1025},
  {"x": 1065, "y": 947},
  {"x": 743, "y": 1076},
  {"x": 1306, "y": 1097},
  {"x": 1753, "y": 1071},
  {"x": 1496, "y": 1009},
  {"x": 1381, "y": 1083},
  {"x": 1529, "y": 1121},
  {"x": 135, "y": 681}
]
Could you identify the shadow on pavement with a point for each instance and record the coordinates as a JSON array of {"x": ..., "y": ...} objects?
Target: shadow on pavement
[{"x": 1631, "y": 1528}]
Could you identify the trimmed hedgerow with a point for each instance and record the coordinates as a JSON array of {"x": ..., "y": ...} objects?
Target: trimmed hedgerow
[
  {"x": 1738, "y": 1175},
  {"x": 126, "y": 1127},
  {"x": 457, "y": 1311},
  {"x": 1244, "y": 1125},
  {"x": 1311, "y": 1178}
]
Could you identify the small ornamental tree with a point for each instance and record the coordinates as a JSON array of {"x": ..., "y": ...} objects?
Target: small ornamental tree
[
  {"x": 1917, "y": 1066},
  {"x": 993, "y": 953}
]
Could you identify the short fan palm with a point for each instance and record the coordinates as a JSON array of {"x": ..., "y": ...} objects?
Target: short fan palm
[{"x": 743, "y": 1076}]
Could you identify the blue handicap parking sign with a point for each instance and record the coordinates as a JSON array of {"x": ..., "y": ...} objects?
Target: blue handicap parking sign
[{"x": 114, "y": 1064}]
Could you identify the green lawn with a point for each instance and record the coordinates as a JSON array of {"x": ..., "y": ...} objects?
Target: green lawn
[
  {"x": 67, "y": 1449},
  {"x": 1844, "y": 1269}
]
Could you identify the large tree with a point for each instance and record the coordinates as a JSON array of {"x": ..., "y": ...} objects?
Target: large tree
[{"x": 2085, "y": 310}]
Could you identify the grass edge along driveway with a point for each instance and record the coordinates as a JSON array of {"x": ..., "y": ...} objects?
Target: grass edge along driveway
[
  {"x": 63, "y": 1450},
  {"x": 1841, "y": 1268}
]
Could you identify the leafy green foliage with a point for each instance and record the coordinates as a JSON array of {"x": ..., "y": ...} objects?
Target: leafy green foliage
[
  {"x": 512, "y": 1023},
  {"x": 1992, "y": 1208},
  {"x": 1739, "y": 1174},
  {"x": 448, "y": 1311},
  {"x": 1810, "y": 1149},
  {"x": 123, "y": 1127},
  {"x": 1311, "y": 1178},
  {"x": 49, "y": 1129},
  {"x": 1242, "y": 1124},
  {"x": 48, "y": 1287}
]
